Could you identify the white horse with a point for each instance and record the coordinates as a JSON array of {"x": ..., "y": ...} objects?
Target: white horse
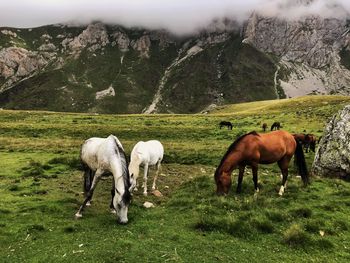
[
  {"x": 146, "y": 154},
  {"x": 106, "y": 155}
]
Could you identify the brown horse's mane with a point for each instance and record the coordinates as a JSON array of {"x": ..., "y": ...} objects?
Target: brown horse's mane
[{"x": 233, "y": 146}]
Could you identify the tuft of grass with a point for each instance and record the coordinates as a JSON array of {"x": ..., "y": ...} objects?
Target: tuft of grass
[
  {"x": 71, "y": 162},
  {"x": 275, "y": 216},
  {"x": 69, "y": 229},
  {"x": 295, "y": 236},
  {"x": 14, "y": 188},
  {"x": 36, "y": 228},
  {"x": 324, "y": 243},
  {"x": 314, "y": 225},
  {"x": 303, "y": 212},
  {"x": 263, "y": 226},
  {"x": 33, "y": 169}
]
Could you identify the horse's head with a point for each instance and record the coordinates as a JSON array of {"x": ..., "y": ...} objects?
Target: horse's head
[
  {"x": 121, "y": 203},
  {"x": 223, "y": 182}
]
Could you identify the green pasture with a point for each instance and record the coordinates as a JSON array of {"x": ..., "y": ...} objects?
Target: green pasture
[{"x": 41, "y": 189}]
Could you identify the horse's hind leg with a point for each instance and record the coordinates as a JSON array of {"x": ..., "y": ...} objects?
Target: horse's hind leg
[
  {"x": 283, "y": 165},
  {"x": 240, "y": 178},
  {"x": 89, "y": 193},
  {"x": 255, "y": 177},
  {"x": 156, "y": 175}
]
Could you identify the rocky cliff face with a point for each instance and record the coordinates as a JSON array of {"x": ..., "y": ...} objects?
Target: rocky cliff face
[
  {"x": 153, "y": 71},
  {"x": 307, "y": 52},
  {"x": 332, "y": 158}
]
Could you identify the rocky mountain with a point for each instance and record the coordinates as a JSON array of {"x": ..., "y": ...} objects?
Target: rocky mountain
[{"x": 106, "y": 68}]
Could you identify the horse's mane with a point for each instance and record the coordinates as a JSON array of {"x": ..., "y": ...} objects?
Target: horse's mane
[
  {"x": 233, "y": 146},
  {"x": 125, "y": 172}
]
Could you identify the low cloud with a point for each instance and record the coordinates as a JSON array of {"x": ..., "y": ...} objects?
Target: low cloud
[{"x": 178, "y": 16}]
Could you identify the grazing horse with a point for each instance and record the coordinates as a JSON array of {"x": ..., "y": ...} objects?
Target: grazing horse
[
  {"x": 276, "y": 126},
  {"x": 147, "y": 154},
  {"x": 106, "y": 155},
  {"x": 264, "y": 127},
  {"x": 310, "y": 142},
  {"x": 307, "y": 140},
  {"x": 252, "y": 149},
  {"x": 226, "y": 123}
]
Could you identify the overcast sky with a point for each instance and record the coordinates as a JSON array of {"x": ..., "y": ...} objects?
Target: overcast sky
[{"x": 178, "y": 16}]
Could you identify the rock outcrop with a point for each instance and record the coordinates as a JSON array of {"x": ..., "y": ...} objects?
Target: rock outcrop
[
  {"x": 17, "y": 63},
  {"x": 332, "y": 158},
  {"x": 308, "y": 51},
  {"x": 94, "y": 37}
]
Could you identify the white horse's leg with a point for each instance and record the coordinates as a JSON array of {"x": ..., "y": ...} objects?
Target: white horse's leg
[
  {"x": 90, "y": 193},
  {"x": 156, "y": 176},
  {"x": 145, "y": 172}
]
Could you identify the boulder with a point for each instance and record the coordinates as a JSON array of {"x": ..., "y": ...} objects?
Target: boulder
[{"x": 332, "y": 157}]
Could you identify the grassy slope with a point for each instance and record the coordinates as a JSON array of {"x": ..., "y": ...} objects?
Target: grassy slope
[{"x": 40, "y": 187}]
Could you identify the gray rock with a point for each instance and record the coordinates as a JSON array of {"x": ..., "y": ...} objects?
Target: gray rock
[
  {"x": 142, "y": 45},
  {"x": 122, "y": 40},
  {"x": 94, "y": 37},
  {"x": 311, "y": 43},
  {"x": 332, "y": 158},
  {"x": 17, "y": 63}
]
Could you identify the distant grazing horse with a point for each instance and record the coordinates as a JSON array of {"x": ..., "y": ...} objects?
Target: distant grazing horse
[
  {"x": 276, "y": 126},
  {"x": 307, "y": 140},
  {"x": 146, "y": 154},
  {"x": 106, "y": 155},
  {"x": 264, "y": 127},
  {"x": 226, "y": 123},
  {"x": 252, "y": 149},
  {"x": 310, "y": 142}
]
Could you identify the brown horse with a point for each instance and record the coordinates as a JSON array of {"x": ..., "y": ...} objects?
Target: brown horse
[
  {"x": 307, "y": 140},
  {"x": 252, "y": 149},
  {"x": 264, "y": 127},
  {"x": 310, "y": 142}
]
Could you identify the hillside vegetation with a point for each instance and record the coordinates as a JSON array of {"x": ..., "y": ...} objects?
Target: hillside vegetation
[
  {"x": 41, "y": 184},
  {"x": 63, "y": 68}
]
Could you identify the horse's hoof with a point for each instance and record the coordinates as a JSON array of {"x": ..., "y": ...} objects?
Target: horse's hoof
[
  {"x": 153, "y": 188},
  {"x": 281, "y": 190},
  {"x": 78, "y": 215},
  {"x": 113, "y": 211},
  {"x": 88, "y": 203},
  {"x": 145, "y": 193}
]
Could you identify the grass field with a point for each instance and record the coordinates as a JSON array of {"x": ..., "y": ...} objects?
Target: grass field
[{"x": 41, "y": 185}]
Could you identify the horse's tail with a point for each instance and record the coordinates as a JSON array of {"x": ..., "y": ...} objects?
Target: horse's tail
[
  {"x": 88, "y": 177},
  {"x": 301, "y": 163}
]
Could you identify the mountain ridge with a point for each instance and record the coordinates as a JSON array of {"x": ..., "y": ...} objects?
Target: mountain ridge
[{"x": 111, "y": 69}]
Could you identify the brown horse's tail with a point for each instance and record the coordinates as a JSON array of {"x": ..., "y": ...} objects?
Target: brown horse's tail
[{"x": 299, "y": 160}]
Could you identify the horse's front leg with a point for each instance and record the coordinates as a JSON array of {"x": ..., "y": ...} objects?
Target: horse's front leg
[
  {"x": 240, "y": 178},
  {"x": 145, "y": 172},
  {"x": 111, "y": 206},
  {"x": 89, "y": 193}
]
